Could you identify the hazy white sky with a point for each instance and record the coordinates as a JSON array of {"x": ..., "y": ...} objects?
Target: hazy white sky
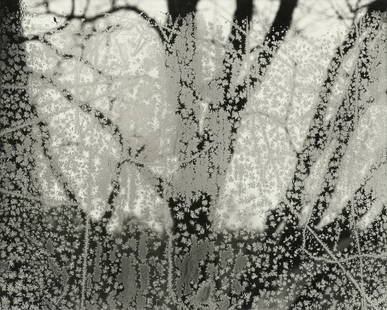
[{"x": 317, "y": 16}]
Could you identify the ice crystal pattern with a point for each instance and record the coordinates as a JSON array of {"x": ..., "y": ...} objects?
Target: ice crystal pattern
[{"x": 149, "y": 166}]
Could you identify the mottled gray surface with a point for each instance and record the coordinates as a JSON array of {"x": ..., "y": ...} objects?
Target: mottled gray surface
[{"x": 179, "y": 165}]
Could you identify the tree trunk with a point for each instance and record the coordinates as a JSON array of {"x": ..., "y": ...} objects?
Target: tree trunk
[{"x": 204, "y": 157}]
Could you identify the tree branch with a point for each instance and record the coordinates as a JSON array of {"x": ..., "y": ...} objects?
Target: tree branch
[
  {"x": 235, "y": 98},
  {"x": 160, "y": 185},
  {"x": 160, "y": 30},
  {"x": 272, "y": 41},
  {"x": 317, "y": 137},
  {"x": 45, "y": 144}
]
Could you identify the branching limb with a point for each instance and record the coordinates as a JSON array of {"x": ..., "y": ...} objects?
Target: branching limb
[
  {"x": 160, "y": 185},
  {"x": 181, "y": 62},
  {"x": 235, "y": 97},
  {"x": 103, "y": 120},
  {"x": 46, "y": 144},
  {"x": 160, "y": 30},
  {"x": 318, "y": 134},
  {"x": 345, "y": 122},
  {"x": 271, "y": 42},
  {"x": 222, "y": 118}
]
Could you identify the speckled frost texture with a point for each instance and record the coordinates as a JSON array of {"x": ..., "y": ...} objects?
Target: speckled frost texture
[{"x": 187, "y": 165}]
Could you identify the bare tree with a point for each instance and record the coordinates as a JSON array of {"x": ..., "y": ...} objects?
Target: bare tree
[{"x": 205, "y": 145}]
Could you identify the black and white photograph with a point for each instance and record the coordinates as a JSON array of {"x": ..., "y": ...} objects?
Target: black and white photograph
[{"x": 193, "y": 154}]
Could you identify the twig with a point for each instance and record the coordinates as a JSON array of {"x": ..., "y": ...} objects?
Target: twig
[
  {"x": 45, "y": 144},
  {"x": 347, "y": 273},
  {"x": 90, "y": 19},
  {"x": 157, "y": 181},
  {"x": 103, "y": 120}
]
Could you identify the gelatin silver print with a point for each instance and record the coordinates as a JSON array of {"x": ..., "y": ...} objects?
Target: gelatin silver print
[{"x": 193, "y": 154}]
